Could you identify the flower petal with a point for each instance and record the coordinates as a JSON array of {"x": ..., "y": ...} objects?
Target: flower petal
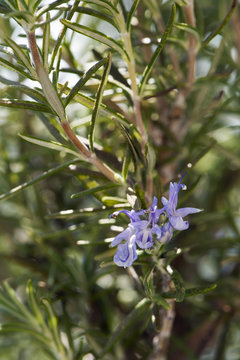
[
  {"x": 140, "y": 225},
  {"x": 178, "y": 223},
  {"x": 173, "y": 194},
  {"x": 164, "y": 201},
  {"x": 167, "y": 232},
  {"x": 133, "y": 215},
  {"x": 144, "y": 238},
  {"x": 126, "y": 253},
  {"x": 157, "y": 231},
  {"x": 154, "y": 204},
  {"x": 124, "y": 235},
  {"x": 186, "y": 211}
]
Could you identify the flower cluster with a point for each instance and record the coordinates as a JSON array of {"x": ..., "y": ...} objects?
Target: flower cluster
[{"x": 144, "y": 226}]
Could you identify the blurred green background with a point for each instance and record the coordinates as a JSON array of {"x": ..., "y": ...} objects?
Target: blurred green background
[{"x": 63, "y": 253}]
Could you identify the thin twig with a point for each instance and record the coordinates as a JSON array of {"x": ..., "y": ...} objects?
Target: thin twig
[
  {"x": 161, "y": 340},
  {"x": 132, "y": 75},
  {"x": 135, "y": 97},
  {"x": 56, "y": 104},
  {"x": 236, "y": 31},
  {"x": 192, "y": 51}
]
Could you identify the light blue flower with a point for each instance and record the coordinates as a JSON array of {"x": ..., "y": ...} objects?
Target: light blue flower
[
  {"x": 144, "y": 226},
  {"x": 167, "y": 232},
  {"x": 126, "y": 252},
  {"x": 148, "y": 228},
  {"x": 176, "y": 215},
  {"x": 139, "y": 231}
]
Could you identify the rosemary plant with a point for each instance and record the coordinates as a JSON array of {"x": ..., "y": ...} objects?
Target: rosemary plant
[{"x": 107, "y": 108}]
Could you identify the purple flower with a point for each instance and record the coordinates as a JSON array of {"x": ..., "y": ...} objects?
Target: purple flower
[
  {"x": 139, "y": 231},
  {"x": 146, "y": 229},
  {"x": 167, "y": 232},
  {"x": 146, "y": 226},
  {"x": 133, "y": 215},
  {"x": 126, "y": 253},
  {"x": 176, "y": 215}
]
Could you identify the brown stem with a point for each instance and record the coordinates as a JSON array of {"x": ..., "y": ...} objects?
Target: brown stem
[
  {"x": 91, "y": 157},
  {"x": 56, "y": 104},
  {"x": 34, "y": 50},
  {"x": 190, "y": 18},
  {"x": 236, "y": 31},
  {"x": 161, "y": 340},
  {"x": 135, "y": 96},
  {"x": 75, "y": 140}
]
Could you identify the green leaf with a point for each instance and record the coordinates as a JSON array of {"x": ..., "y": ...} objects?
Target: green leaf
[
  {"x": 21, "y": 55},
  {"x": 104, "y": 4},
  {"x": 10, "y": 3},
  {"x": 117, "y": 83},
  {"x": 22, "y": 4},
  {"x": 49, "y": 7},
  {"x": 56, "y": 71},
  {"x": 49, "y": 21},
  {"x": 41, "y": 177},
  {"x": 62, "y": 33},
  {"x": 20, "y": 308},
  {"x": 53, "y": 324},
  {"x": 71, "y": 214},
  {"x": 99, "y": 101},
  {"x": 103, "y": 110},
  {"x": 32, "y": 298},
  {"x": 221, "y": 26},
  {"x": 179, "y": 285},
  {"x": 52, "y": 126},
  {"x": 200, "y": 290},
  {"x": 34, "y": 4},
  {"x": 4, "y": 8},
  {"x": 30, "y": 105},
  {"x": 7, "y": 306},
  {"x": 46, "y": 41},
  {"x": 98, "y": 14},
  {"x": 21, "y": 328},
  {"x": 126, "y": 164},
  {"x": 113, "y": 200},
  {"x": 33, "y": 93},
  {"x": 49, "y": 144},
  {"x": 96, "y": 35},
  {"x": 159, "y": 300},
  {"x": 190, "y": 29},
  {"x": 148, "y": 271},
  {"x": 21, "y": 15},
  {"x": 84, "y": 79},
  {"x": 17, "y": 68},
  {"x": 142, "y": 307},
  {"x": 92, "y": 191},
  {"x": 158, "y": 50},
  {"x": 133, "y": 145},
  {"x": 131, "y": 13},
  {"x": 118, "y": 79}
]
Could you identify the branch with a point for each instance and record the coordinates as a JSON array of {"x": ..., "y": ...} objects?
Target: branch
[{"x": 190, "y": 18}]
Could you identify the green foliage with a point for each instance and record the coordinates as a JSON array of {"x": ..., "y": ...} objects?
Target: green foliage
[
  {"x": 130, "y": 94},
  {"x": 31, "y": 322}
]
